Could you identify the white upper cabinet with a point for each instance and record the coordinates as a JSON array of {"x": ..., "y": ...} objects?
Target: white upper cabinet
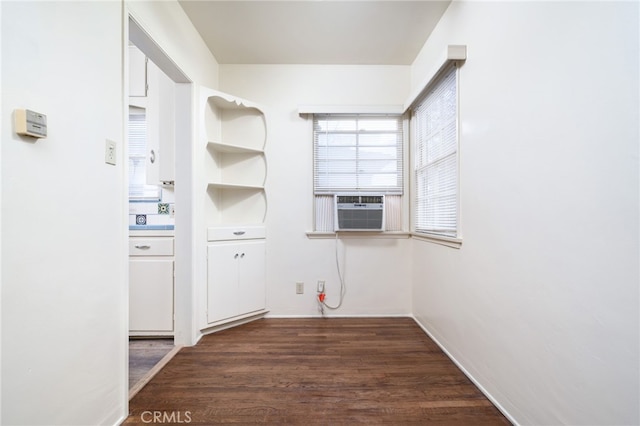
[
  {"x": 161, "y": 135},
  {"x": 137, "y": 73}
]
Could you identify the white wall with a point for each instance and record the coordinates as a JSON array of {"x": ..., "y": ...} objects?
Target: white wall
[
  {"x": 1, "y": 208},
  {"x": 64, "y": 230},
  {"x": 377, "y": 271},
  {"x": 63, "y": 216},
  {"x": 540, "y": 304}
]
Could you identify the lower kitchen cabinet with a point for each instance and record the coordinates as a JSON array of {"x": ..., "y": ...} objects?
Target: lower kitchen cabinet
[
  {"x": 151, "y": 287},
  {"x": 236, "y": 279}
]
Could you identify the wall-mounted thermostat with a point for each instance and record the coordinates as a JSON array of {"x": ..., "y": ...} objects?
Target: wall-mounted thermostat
[{"x": 31, "y": 123}]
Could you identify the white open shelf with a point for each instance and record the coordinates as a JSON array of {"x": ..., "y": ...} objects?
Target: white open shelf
[
  {"x": 235, "y": 204},
  {"x": 219, "y": 185},
  {"x": 239, "y": 125},
  {"x": 235, "y": 165},
  {"x": 234, "y": 149}
]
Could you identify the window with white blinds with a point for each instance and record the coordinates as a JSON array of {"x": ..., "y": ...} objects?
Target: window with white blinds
[
  {"x": 138, "y": 188},
  {"x": 357, "y": 153},
  {"x": 434, "y": 120}
]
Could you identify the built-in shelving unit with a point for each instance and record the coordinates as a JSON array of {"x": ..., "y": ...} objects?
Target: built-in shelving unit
[
  {"x": 236, "y": 164},
  {"x": 235, "y": 133}
]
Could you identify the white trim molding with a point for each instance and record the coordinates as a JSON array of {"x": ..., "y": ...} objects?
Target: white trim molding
[
  {"x": 350, "y": 109},
  {"x": 454, "y": 53},
  {"x": 318, "y": 235},
  {"x": 438, "y": 239}
]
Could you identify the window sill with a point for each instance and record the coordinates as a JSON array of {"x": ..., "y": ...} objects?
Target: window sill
[
  {"x": 438, "y": 239},
  {"x": 316, "y": 235},
  {"x": 431, "y": 238}
]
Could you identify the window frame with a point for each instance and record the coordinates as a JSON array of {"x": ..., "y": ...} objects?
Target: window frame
[
  {"x": 396, "y": 210},
  {"x": 432, "y": 235}
]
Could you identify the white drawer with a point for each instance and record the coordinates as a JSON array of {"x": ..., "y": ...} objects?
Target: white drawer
[
  {"x": 235, "y": 233},
  {"x": 150, "y": 246}
]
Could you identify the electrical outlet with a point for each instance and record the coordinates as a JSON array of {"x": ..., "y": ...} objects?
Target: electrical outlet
[
  {"x": 320, "y": 286},
  {"x": 299, "y": 288},
  {"x": 110, "y": 152}
]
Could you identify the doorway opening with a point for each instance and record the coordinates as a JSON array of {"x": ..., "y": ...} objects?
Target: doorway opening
[{"x": 160, "y": 216}]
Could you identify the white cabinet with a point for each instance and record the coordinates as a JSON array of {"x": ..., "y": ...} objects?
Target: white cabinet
[
  {"x": 151, "y": 286},
  {"x": 152, "y": 90},
  {"x": 161, "y": 118},
  {"x": 236, "y": 279},
  {"x": 137, "y": 72}
]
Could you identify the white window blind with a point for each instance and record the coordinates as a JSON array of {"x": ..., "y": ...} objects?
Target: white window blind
[
  {"x": 138, "y": 188},
  {"x": 324, "y": 217},
  {"x": 357, "y": 153},
  {"x": 435, "y": 119}
]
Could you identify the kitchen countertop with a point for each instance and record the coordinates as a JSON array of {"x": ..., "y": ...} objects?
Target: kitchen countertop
[
  {"x": 151, "y": 227},
  {"x": 150, "y": 231}
]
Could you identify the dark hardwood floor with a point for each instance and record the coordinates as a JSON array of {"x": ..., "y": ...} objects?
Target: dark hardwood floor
[{"x": 314, "y": 371}]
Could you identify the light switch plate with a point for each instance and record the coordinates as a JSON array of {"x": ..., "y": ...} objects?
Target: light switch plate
[{"x": 110, "y": 152}]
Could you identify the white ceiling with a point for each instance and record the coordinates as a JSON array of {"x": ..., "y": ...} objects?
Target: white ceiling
[{"x": 363, "y": 32}]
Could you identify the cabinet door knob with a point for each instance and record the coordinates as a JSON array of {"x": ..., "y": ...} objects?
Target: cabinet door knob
[
  {"x": 242, "y": 255},
  {"x": 152, "y": 156},
  {"x": 143, "y": 247},
  {"x": 238, "y": 232},
  {"x": 236, "y": 256}
]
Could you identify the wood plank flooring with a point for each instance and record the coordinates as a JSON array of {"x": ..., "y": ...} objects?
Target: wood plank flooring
[
  {"x": 335, "y": 371},
  {"x": 146, "y": 358},
  {"x": 144, "y": 354}
]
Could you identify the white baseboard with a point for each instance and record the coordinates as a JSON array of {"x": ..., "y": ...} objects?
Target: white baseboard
[
  {"x": 466, "y": 373},
  {"x": 342, "y": 316},
  {"x": 115, "y": 417},
  {"x": 232, "y": 322}
]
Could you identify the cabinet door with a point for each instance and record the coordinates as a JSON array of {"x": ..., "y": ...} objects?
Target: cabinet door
[
  {"x": 161, "y": 119},
  {"x": 151, "y": 295},
  {"x": 251, "y": 279},
  {"x": 222, "y": 281},
  {"x": 137, "y": 72},
  {"x": 235, "y": 279}
]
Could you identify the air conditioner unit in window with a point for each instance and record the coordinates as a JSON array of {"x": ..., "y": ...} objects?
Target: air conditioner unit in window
[{"x": 358, "y": 212}]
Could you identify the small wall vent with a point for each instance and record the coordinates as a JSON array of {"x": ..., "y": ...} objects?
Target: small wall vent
[{"x": 357, "y": 212}]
